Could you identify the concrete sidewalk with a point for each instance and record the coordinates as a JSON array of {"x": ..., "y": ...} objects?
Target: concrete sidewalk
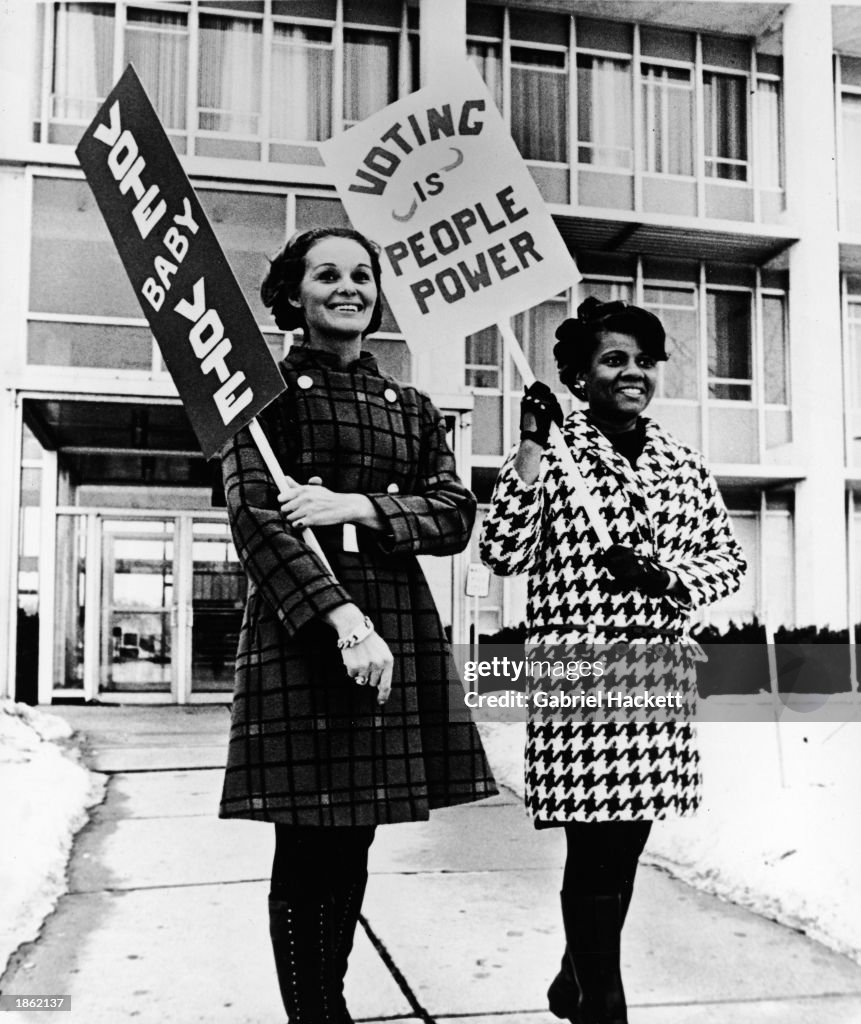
[{"x": 165, "y": 919}]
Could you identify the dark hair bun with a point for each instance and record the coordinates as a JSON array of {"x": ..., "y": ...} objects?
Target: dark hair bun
[{"x": 577, "y": 338}]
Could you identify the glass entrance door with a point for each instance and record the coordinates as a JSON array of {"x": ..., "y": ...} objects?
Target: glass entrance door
[
  {"x": 138, "y": 606},
  {"x": 218, "y": 588}
]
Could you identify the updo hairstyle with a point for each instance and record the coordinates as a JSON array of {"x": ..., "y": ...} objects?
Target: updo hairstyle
[
  {"x": 578, "y": 338},
  {"x": 288, "y": 268}
]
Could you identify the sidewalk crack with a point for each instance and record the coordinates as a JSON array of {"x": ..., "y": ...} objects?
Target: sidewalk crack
[{"x": 396, "y": 973}]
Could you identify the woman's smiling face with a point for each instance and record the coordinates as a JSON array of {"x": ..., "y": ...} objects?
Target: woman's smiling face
[
  {"x": 337, "y": 293},
  {"x": 621, "y": 379}
]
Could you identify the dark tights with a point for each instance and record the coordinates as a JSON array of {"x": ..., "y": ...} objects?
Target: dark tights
[
  {"x": 602, "y": 857},
  {"x": 311, "y": 858}
]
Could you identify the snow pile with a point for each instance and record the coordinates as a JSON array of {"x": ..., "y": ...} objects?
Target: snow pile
[
  {"x": 44, "y": 795},
  {"x": 787, "y": 849},
  {"x": 783, "y": 844}
]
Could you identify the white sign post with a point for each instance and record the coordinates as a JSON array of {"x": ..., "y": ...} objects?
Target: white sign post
[{"x": 467, "y": 241}]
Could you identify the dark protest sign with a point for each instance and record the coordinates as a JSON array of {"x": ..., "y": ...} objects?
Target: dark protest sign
[{"x": 210, "y": 342}]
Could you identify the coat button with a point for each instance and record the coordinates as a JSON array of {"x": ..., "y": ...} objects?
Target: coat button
[
  {"x": 390, "y": 395},
  {"x": 304, "y": 382},
  {"x": 393, "y": 489}
]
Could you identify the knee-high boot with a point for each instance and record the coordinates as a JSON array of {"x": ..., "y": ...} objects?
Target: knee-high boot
[
  {"x": 593, "y": 928},
  {"x": 302, "y": 931},
  {"x": 564, "y": 995},
  {"x": 347, "y": 905}
]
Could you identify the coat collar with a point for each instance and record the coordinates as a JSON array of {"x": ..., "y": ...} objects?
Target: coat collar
[
  {"x": 591, "y": 444},
  {"x": 301, "y": 357},
  {"x": 595, "y": 451}
]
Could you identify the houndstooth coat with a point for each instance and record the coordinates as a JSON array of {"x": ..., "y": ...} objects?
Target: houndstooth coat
[
  {"x": 307, "y": 745},
  {"x": 667, "y": 508}
]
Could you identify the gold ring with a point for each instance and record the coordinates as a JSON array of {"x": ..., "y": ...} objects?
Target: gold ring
[{"x": 360, "y": 680}]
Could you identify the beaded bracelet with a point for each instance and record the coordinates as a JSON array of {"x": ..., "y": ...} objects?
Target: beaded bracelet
[{"x": 357, "y": 636}]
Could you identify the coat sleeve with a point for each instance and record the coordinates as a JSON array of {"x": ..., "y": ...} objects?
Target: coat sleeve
[
  {"x": 437, "y": 518},
  {"x": 709, "y": 563},
  {"x": 287, "y": 574},
  {"x": 511, "y": 531}
]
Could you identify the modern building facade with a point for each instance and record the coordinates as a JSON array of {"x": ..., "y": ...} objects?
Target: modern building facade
[{"x": 700, "y": 158}]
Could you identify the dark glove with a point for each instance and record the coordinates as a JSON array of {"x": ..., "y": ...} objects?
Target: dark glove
[
  {"x": 633, "y": 572},
  {"x": 540, "y": 404}
]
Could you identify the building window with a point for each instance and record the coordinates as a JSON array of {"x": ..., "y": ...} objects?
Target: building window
[
  {"x": 607, "y": 291},
  {"x": 539, "y": 103},
  {"x": 535, "y": 328},
  {"x": 668, "y": 120},
  {"x": 157, "y": 44},
  {"x": 850, "y": 156},
  {"x": 229, "y": 81},
  {"x": 677, "y": 310},
  {"x": 853, "y": 329},
  {"x": 370, "y": 73},
  {"x": 83, "y": 60},
  {"x": 774, "y": 352},
  {"x": 82, "y": 309},
  {"x": 725, "y": 102},
  {"x": 768, "y": 145},
  {"x": 604, "y": 112},
  {"x": 730, "y": 364},
  {"x": 483, "y": 359},
  {"x": 301, "y": 93},
  {"x": 487, "y": 57}
]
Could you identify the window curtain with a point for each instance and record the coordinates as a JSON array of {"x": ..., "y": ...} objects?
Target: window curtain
[
  {"x": 487, "y": 58},
  {"x": 83, "y": 60},
  {"x": 157, "y": 45},
  {"x": 767, "y": 140},
  {"x": 604, "y": 112},
  {"x": 729, "y": 343},
  {"x": 536, "y": 328},
  {"x": 668, "y": 120},
  {"x": 854, "y": 331},
  {"x": 850, "y": 158},
  {"x": 483, "y": 358},
  {"x": 301, "y": 103},
  {"x": 725, "y": 126},
  {"x": 539, "y": 113},
  {"x": 774, "y": 349},
  {"x": 370, "y": 73},
  {"x": 229, "y": 75}
]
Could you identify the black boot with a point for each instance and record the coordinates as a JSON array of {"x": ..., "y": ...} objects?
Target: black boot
[
  {"x": 347, "y": 904},
  {"x": 564, "y": 995},
  {"x": 593, "y": 927},
  {"x": 302, "y": 932}
]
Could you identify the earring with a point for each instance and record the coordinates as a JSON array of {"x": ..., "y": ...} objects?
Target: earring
[{"x": 578, "y": 389}]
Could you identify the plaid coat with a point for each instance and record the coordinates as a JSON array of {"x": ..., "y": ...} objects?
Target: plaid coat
[
  {"x": 307, "y": 745},
  {"x": 668, "y": 508}
]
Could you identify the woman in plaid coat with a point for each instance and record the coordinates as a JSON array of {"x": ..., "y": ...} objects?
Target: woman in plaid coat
[
  {"x": 673, "y": 551},
  {"x": 348, "y": 712}
]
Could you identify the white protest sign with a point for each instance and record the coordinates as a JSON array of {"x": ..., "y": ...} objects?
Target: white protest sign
[{"x": 437, "y": 181}]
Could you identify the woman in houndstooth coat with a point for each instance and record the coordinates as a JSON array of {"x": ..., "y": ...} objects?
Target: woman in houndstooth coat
[
  {"x": 348, "y": 712},
  {"x": 673, "y": 551}
]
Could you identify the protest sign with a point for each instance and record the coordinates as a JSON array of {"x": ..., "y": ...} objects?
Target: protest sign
[
  {"x": 437, "y": 181},
  {"x": 210, "y": 342},
  {"x": 467, "y": 242}
]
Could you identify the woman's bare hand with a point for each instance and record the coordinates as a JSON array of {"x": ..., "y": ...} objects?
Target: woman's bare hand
[
  {"x": 370, "y": 663},
  {"x": 312, "y": 504}
]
